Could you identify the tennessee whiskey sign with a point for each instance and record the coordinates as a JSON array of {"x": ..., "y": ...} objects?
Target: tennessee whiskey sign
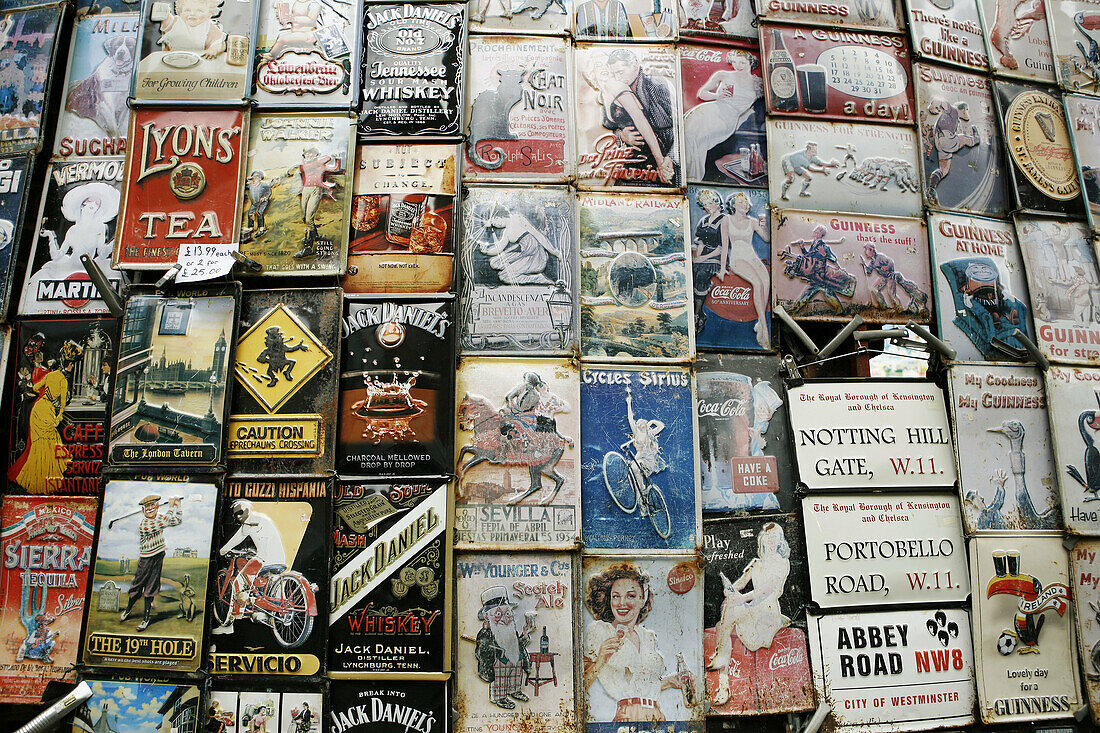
[{"x": 182, "y": 186}]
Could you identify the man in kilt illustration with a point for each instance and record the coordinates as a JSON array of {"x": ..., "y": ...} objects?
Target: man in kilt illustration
[
  {"x": 501, "y": 648},
  {"x": 146, "y": 582}
]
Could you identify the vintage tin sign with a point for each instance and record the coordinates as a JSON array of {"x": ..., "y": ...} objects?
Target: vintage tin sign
[
  {"x": 153, "y": 545},
  {"x": 519, "y": 111},
  {"x": 15, "y": 172},
  {"x": 1071, "y": 396},
  {"x": 77, "y": 217},
  {"x": 899, "y": 439},
  {"x": 754, "y": 627},
  {"x": 1084, "y": 570},
  {"x": 962, "y": 157},
  {"x": 183, "y": 183},
  {"x": 869, "y": 169},
  {"x": 195, "y": 51},
  {"x": 59, "y": 405},
  {"x": 516, "y": 454},
  {"x": 981, "y": 292},
  {"x": 396, "y": 387},
  {"x": 403, "y": 218},
  {"x": 836, "y": 266},
  {"x": 1023, "y": 628},
  {"x": 894, "y": 670},
  {"x": 1017, "y": 41},
  {"x": 296, "y": 199},
  {"x": 998, "y": 408},
  {"x": 721, "y": 20},
  {"x": 1064, "y": 284},
  {"x": 543, "y": 17},
  {"x": 94, "y": 116},
  {"x": 947, "y": 32},
  {"x": 875, "y": 549},
  {"x": 270, "y": 587},
  {"x": 876, "y": 15},
  {"x": 283, "y": 416},
  {"x": 307, "y": 55},
  {"x": 301, "y": 710},
  {"x": 28, "y": 48},
  {"x": 641, "y": 636},
  {"x": 47, "y": 548},
  {"x": 623, "y": 143},
  {"x": 413, "y": 77},
  {"x": 638, "y": 459},
  {"x": 1083, "y": 119},
  {"x": 391, "y": 579},
  {"x": 390, "y": 706},
  {"x": 624, "y": 20},
  {"x": 1073, "y": 25},
  {"x": 723, "y": 116},
  {"x": 731, "y": 267},
  {"x": 1044, "y": 177},
  {"x": 744, "y": 454},
  {"x": 837, "y": 75},
  {"x": 519, "y": 271},
  {"x": 515, "y": 629},
  {"x": 635, "y": 275},
  {"x": 169, "y": 409},
  {"x": 139, "y": 706}
]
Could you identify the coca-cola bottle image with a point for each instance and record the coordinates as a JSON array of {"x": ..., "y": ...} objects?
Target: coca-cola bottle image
[
  {"x": 782, "y": 80},
  {"x": 686, "y": 688}
]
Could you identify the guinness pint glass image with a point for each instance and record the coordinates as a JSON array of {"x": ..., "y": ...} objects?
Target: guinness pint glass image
[
  {"x": 811, "y": 86},
  {"x": 999, "y": 563}
]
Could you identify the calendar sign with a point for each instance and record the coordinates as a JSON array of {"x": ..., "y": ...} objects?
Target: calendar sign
[{"x": 837, "y": 75}]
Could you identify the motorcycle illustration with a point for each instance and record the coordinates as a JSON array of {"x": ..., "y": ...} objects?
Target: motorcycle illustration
[{"x": 281, "y": 599}]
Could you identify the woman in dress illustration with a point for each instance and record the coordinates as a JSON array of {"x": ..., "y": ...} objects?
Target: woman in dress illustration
[
  {"x": 41, "y": 467},
  {"x": 89, "y": 207},
  {"x": 637, "y": 107},
  {"x": 620, "y": 653},
  {"x": 193, "y": 28},
  {"x": 723, "y": 243},
  {"x": 753, "y": 615},
  {"x": 728, "y": 98}
]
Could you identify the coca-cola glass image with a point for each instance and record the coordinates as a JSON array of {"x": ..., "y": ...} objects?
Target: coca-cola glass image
[
  {"x": 999, "y": 565},
  {"x": 811, "y": 85}
]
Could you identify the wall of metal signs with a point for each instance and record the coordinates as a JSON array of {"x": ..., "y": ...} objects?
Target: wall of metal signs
[{"x": 550, "y": 366}]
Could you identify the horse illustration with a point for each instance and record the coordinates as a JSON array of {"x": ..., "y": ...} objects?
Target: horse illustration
[{"x": 506, "y": 438}]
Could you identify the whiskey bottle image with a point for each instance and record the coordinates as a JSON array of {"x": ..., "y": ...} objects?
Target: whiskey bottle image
[
  {"x": 405, "y": 215},
  {"x": 782, "y": 80}
]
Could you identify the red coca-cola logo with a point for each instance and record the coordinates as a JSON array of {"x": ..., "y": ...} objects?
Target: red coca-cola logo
[
  {"x": 784, "y": 658},
  {"x": 731, "y": 298}
]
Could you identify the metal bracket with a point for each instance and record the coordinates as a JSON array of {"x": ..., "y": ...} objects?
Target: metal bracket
[
  {"x": 841, "y": 337},
  {"x": 169, "y": 276},
  {"x": 781, "y": 313},
  {"x": 886, "y": 334},
  {"x": 249, "y": 264},
  {"x": 1069, "y": 542},
  {"x": 1081, "y": 713},
  {"x": 794, "y": 374},
  {"x": 1005, "y": 348},
  {"x": 106, "y": 292},
  {"x": 1040, "y": 361},
  {"x": 814, "y": 724},
  {"x": 47, "y": 719},
  {"x": 934, "y": 343}
]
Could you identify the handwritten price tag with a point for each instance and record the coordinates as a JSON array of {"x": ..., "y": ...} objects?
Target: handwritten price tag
[{"x": 204, "y": 261}]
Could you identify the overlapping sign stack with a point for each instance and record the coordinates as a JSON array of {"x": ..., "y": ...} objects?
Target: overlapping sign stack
[{"x": 438, "y": 386}]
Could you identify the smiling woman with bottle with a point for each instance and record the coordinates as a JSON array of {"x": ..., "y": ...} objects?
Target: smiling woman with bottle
[{"x": 619, "y": 652}]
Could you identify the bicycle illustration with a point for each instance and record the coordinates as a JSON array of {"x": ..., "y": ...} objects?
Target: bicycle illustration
[{"x": 626, "y": 474}]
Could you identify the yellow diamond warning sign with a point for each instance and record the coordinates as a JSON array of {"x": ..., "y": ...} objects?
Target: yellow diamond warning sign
[{"x": 277, "y": 356}]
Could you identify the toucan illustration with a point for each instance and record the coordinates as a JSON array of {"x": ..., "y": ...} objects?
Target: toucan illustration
[
  {"x": 1035, "y": 600},
  {"x": 1088, "y": 422}
]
